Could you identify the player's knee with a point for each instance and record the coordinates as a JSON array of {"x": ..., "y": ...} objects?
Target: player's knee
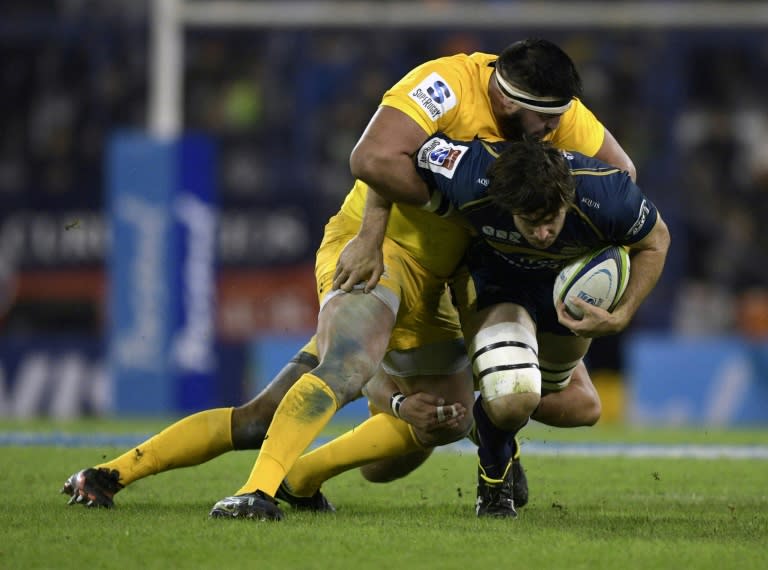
[
  {"x": 373, "y": 473},
  {"x": 585, "y": 407},
  {"x": 590, "y": 399},
  {"x": 346, "y": 378},
  {"x": 510, "y": 411},
  {"x": 591, "y": 408},
  {"x": 592, "y": 414},
  {"x": 504, "y": 359}
]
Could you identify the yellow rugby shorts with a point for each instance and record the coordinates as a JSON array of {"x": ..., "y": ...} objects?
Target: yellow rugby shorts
[{"x": 421, "y": 301}]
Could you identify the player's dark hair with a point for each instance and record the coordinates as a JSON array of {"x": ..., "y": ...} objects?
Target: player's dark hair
[
  {"x": 541, "y": 68},
  {"x": 531, "y": 178}
]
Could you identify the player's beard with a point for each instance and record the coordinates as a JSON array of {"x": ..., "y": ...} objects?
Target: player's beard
[{"x": 511, "y": 127}]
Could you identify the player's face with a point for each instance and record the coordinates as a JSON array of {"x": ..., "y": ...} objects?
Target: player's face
[
  {"x": 514, "y": 121},
  {"x": 541, "y": 231},
  {"x": 538, "y": 125},
  {"x": 511, "y": 126}
]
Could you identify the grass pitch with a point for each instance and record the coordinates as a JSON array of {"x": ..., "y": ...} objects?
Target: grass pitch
[{"x": 585, "y": 512}]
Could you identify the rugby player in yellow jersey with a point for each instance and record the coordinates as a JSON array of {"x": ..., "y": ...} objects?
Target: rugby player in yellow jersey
[{"x": 463, "y": 96}]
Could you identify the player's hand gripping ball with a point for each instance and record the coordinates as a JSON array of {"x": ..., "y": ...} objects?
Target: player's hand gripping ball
[{"x": 599, "y": 278}]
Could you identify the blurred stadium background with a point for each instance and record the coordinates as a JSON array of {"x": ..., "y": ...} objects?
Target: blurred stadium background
[{"x": 166, "y": 169}]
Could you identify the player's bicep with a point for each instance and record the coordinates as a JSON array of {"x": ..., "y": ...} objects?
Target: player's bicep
[
  {"x": 627, "y": 213},
  {"x": 657, "y": 239},
  {"x": 383, "y": 157},
  {"x": 389, "y": 132}
]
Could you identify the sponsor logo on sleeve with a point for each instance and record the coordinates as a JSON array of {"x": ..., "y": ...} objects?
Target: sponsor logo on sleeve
[
  {"x": 640, "y": 221},
  {"x": 590, "y": 203},
  {"x": 441, "y": 157},
  {"x": 434, "y": 95}
]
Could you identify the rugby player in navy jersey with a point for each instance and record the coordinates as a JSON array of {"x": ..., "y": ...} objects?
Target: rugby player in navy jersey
[{"x": 534, "y": 209}]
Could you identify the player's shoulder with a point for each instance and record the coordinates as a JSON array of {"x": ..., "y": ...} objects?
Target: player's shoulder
[
  {"x": 441, "y": 155},
  {"x": 475, "y": 59},
  {"x": 585, "y": 167},
  {"x": 439, "y": 151},
  {"x": 458, "y": 67},
  {"x": 458, "y": 169},
  {"x": 602, "y": 190},
  {"x": 597, "y": 181}
]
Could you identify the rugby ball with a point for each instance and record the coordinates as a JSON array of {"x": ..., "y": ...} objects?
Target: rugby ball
[{"x": 599, "y": 278}]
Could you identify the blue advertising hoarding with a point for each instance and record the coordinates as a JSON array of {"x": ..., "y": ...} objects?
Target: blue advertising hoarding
[
  {"x": 697, "y": 381},
  {"x": 65, "y": 376},
  {"x": 162, "y": 272}
]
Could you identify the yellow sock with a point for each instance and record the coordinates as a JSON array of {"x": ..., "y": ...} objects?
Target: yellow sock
[
  {"x": 190, "y": 441},
  {"x": 379, "y": 437},
  {"x": 303, "y": 413}
]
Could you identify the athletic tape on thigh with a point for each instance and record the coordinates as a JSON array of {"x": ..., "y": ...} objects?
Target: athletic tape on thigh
[
  {"x": 504, "y": 360},
  {"x": 556, "y": 376},
  {"x": 380, "y": 292}
]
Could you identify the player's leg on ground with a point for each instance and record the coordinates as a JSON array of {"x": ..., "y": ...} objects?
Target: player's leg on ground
[
  {"x": 391, "y": 469},
  {"x": 378, "y": 437},
  {"x": 503, "y": 350},
  {"x": 250, "y": 421},
  {"x": 353, "y": 333},
  {"x": 577, "y": 405},
  {"x": 190, "y": 441}
]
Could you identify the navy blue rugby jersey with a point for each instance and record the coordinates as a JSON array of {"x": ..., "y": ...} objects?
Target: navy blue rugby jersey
[{"x": 609, "y": 208}]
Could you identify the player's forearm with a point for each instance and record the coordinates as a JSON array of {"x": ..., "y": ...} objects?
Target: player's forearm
[
  {"x": 644, "y": 274},
  {"x": 375, "y": 218},
  {"x": 379, "y": 391},
  {"x": 647, "y": 265}
]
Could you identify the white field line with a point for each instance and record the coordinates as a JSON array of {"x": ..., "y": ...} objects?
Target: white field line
[
  {"x": 697, "y": 451},
  {"x": 530, "y": 448}
]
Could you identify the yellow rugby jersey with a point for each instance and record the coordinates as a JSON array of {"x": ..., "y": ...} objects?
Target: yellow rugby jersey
[{"x": 450, "y": 94}]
